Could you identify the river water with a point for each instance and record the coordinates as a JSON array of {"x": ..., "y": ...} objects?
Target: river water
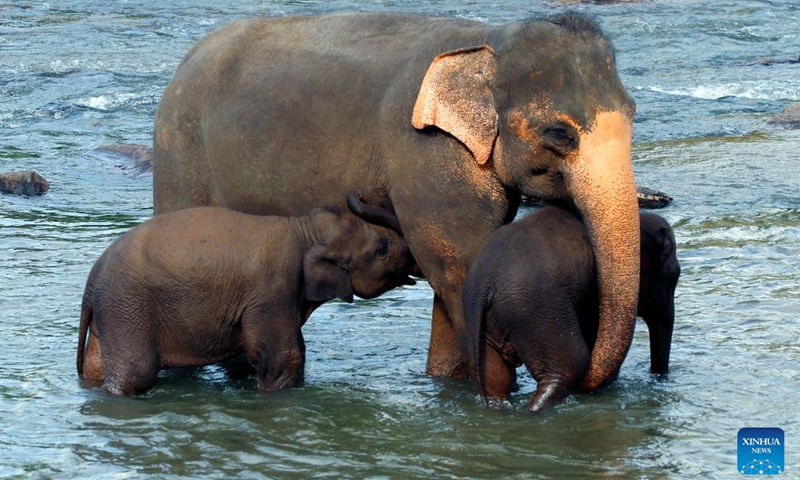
[{"x": 77, "y": 75}]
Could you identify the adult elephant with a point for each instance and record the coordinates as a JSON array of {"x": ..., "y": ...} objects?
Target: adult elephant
[{"x": 446, "y": 121}]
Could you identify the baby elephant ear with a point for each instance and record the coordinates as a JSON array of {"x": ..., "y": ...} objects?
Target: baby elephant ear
[
  {"x": 455, "y": 96},
  {"x": 324, "y": 280},
  {"x": 668, "y": 243}
]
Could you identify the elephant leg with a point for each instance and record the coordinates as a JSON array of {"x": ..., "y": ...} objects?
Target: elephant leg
[
  {"x": 278, "y": 353},
  {"x": 444, "y": 245},
  {"x": 549, "y": 392},
  {"x": 131, "y": 356},
  {"x": 499, "y": 376},
  {"x": 92, "y": 360},
  {"x": 445, "y": 356},
  {"x": 556, "y": 358},
  {"x": 133, "y": 370}
]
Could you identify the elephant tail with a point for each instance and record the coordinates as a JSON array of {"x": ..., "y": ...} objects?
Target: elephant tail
[
  {"x": 476, "y": 303},
  {"x": 83, "y": 329}
]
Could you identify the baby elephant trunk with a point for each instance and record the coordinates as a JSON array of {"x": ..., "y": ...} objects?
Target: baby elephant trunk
[
  {"x": 372, "y": 214},
  {"x": 385, "y": 217},
  {"x": 660, "y": 328}
]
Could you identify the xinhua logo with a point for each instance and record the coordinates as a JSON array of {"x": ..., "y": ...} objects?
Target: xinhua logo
[{"x": 760, "y": 451}]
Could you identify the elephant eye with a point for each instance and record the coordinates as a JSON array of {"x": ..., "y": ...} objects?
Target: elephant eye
[
  {"x": 560, "y": 138},
  {"x": 383, "y": 248}
]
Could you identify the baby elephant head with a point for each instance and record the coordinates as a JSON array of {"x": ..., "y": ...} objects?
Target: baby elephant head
[{"x": 363, "y": 254}]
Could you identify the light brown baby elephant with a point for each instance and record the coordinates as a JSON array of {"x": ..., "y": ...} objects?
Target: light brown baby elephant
[{"x": 197, "y": 286}]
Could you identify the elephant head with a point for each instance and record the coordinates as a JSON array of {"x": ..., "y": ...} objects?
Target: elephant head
[
  {"x": 541, "y": 104},
  {"x": 366, "y": 256}
]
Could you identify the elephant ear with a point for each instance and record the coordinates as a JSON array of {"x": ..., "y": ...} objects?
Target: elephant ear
[
  {"x": 455, "y": 96},
  {"x": 668, "y": 244},
  {"x": 324, "y": 279}
]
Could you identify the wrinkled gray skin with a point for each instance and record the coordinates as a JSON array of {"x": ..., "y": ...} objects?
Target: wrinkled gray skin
[
  {"x": 447, "y": 122},
  {"x": 202, "y": 285},
  {"x": 531, "y": 298}
]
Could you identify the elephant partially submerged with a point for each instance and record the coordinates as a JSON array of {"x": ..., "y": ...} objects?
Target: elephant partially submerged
[
  {"x": 530, "y": 299},
  {"x": 202, "y": 285},
  {"x": 445, "y": 121}
]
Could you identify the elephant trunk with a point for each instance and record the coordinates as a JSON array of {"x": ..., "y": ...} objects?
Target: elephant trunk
[
  {"x": 660, "y": 344},
  {"x": 660, "y": 329},
  {"x": 600, "y": 178},
  {"x": 372, "y": 214}
]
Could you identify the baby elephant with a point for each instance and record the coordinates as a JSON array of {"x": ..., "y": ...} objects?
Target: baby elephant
[
  {"x": 197, "y": 286},
  {"x": 531, "y": 298}
]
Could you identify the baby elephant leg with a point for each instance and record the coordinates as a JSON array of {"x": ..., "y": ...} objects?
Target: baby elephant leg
[
  {"x": 499, "y": 376},
  {"x": 556, "y": 361},
  {"x": 93, "y": 358},
  {"x": 130, "y": 359},
  {"x": 549, "y": 392},
  {"x": 131, "y": 378},
  {"x": 278, "y": 352}
]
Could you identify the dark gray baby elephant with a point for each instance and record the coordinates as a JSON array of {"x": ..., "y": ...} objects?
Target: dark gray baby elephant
[
  {"x": 197, "y": 286},
  {"x": 531, "y": 298}
]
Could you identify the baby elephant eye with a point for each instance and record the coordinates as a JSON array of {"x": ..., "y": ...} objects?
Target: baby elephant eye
[{"x": 382, "y": 249}]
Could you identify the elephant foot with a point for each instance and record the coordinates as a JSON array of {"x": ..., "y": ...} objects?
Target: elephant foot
[
  {"x": 282, "y": 382},
  {"x": 548, "y": 394},
  {"x": 286, "y": 372},
  {"x": 117, "y": 390},
  {"x": 446, "y": 360}
]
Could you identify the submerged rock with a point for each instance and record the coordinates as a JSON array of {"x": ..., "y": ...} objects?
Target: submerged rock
[
  {"x": 765, "y": 61},
  {"x": 789, "y": 117},
  {"x": 26, "y": 183},
  {"x": 141, "y": 155},
  {"x": 650, "y": 198}
]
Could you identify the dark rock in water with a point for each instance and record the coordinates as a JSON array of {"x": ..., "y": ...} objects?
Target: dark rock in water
[
  {"x": 651, "y": 199},
  {"x": 789, "y": 117},
  {"x": 771, "y": 61},
  {"x": 141, "y": 155},
  {"x": 26, "y": 183}
]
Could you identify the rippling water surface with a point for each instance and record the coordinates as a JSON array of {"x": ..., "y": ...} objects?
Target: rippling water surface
[{"x": 75, "y": 76}]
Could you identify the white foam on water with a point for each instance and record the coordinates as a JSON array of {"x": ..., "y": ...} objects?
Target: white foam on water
[
  {"x": 751, "y": 90},
  {"x": 106, "y": 102}
]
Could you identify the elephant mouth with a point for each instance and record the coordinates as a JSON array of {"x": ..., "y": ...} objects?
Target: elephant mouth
[
  {"x": 540, "y": 172},
  {"x": 536, "y": 172},
  {"x": 544, "y": 184}
]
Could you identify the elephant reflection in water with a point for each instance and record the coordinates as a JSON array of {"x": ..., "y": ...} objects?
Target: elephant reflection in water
[{"x": 531, "y": 298}]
